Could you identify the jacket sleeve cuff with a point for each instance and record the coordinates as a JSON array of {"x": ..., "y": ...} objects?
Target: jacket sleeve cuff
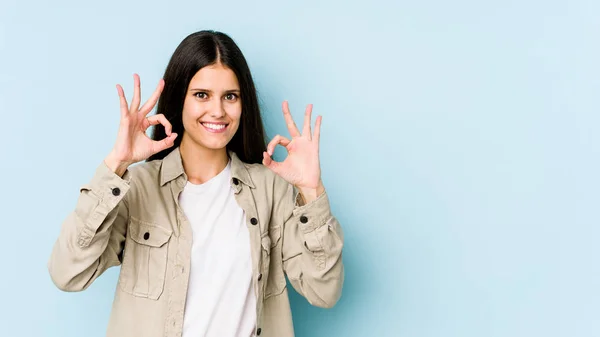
[
  {"x": 108, "y": 189},
  {"x": 314, "y": 214}
]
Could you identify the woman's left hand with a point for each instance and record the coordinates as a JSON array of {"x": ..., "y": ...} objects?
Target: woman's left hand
[{"x": 301, "y": 167}]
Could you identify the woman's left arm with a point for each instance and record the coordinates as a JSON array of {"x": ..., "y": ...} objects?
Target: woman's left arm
[{"x": 312, "y": 236}]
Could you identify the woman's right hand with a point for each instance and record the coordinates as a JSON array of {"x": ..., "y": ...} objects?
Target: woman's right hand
[{"x": 133, "y": 145}]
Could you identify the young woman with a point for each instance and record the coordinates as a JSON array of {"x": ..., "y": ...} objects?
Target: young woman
[{"x": 207, "y": 228}]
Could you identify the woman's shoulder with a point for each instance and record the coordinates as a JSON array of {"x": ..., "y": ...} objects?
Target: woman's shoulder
[
  {"x": 262, "y": 175},
  {"x": 144, "y": 172},
  {"x": 259, "y": 172}
]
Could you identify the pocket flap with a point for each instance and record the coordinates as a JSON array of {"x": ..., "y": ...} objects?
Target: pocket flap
[{"x": 149, "y": 234}]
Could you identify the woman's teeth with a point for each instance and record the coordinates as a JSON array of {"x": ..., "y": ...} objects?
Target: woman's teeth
[{"x": 215, "y": 126}]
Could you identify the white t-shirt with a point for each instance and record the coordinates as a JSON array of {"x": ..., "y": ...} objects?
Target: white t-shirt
[{"x": 220, "y": 299}]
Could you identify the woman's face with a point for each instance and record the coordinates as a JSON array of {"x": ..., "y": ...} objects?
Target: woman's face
[{"x": 212, "y": 107}]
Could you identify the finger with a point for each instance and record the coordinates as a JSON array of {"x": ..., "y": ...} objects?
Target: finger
[
  {"x": 317, "y": 134},
  {"x": 135, "y": 102},
  {"x": 270, "y": 163},
  {"x": 122, "y": 101},
  {"x": 290, "y": 121},
  {"x": 277, "y": 140},
  {"x": 266, "y": 159},
  {"x": 161, "y": 119},
  {"x": 167, "y": 142},
  {"x": 307, "y": 117},
  {"x": 151, "y": 102}
]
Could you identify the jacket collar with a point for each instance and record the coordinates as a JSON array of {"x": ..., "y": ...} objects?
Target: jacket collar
[{"x": 172, "y": 168}]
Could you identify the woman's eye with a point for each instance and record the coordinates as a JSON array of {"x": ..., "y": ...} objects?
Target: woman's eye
[
  {"x": 231, "y": 97},
  {"x": 201, "y": 95}
]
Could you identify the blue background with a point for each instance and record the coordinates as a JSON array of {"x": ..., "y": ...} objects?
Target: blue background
[{"x": 460, "y": 148}]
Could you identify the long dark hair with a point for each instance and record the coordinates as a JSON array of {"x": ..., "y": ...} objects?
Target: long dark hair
[{"x": 196, "y": 51}]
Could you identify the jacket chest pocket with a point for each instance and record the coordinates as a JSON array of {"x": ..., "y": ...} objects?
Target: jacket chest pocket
[
  {"x": 144, "y": 259},
  {"x": 272, "y": 265}
]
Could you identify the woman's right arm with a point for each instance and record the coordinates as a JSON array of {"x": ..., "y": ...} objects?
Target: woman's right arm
[{"x": 92, "y": 237}]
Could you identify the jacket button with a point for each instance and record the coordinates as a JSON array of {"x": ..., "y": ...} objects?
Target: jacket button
[
  {"x": 236, "y": 181},
  {"x": 258, "y": 331},
  {"x": 259, "y": 277},
  {"x": 253, "y": 221},
  {"x": 116, "y": 191},
  {"x": 303, "y": 219},
  {"x": 146, "y": 236}
]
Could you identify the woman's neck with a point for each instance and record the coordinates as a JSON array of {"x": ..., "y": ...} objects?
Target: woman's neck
[{"x": 202, "y": 164}]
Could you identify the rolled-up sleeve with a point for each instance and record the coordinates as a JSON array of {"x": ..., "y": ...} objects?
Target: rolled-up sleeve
[
  {"x": 93, "y": 234},
  {"x": 312, "y": 250}
]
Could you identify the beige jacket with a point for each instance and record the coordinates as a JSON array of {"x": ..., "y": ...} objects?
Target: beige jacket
[{"x": 135, "y": 221}]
